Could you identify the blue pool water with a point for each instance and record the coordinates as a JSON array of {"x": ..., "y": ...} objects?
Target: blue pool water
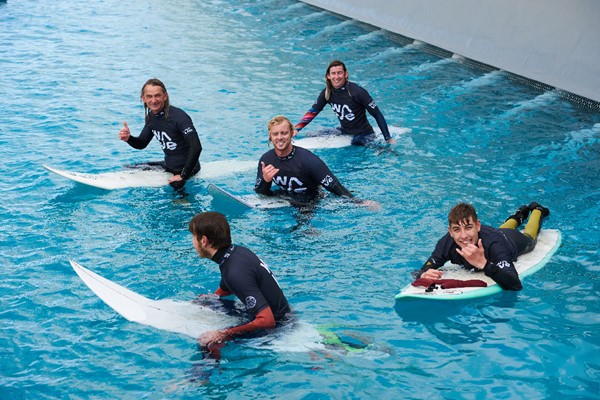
[{"x": 71, "y": 73}]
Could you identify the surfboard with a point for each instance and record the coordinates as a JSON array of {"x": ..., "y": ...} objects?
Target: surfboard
[
  {"x": 548, "y": 242},
  {"x": 175, "y": 316},
  {"x": 324, "y": 142},
  {"x": 137, "y": 177},
  {"x": 231, "y": 202},
  {"x": 192, "y": 319},
  {"x": 333, "y": 139}
]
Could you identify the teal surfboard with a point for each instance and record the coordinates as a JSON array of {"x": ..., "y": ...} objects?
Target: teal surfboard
[{"x": 548, "y": 242}]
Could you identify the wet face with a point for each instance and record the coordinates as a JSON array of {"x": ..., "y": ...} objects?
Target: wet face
[
  {"x": 337, "y": 76},
  {"x": 465, "y": 232},
  {"x": 281, "y": 136},
  {"x": 154, "y": 97}
]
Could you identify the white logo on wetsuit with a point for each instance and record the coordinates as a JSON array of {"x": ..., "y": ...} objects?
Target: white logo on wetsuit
[
  {"x": 250, "y": 302},
  {"x": 503, "y": 264},
  {"x": 372, "y": 104},
  {"x": 165, "y": 140},
  {"x": 327, "y": 181},
  {"x": 343, "y": 111},
  {"x": 262, "y": 264},
  {"x": 282, "y": 182}
]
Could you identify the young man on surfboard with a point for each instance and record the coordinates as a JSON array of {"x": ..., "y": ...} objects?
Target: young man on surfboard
[
  {"x": 297, "y": 172},
  {"x": 483, "y": 248},
  {"x": 173, "y": 128},
  {"x": 350, "y": 102},
  {"x": 244, "y": 275}
]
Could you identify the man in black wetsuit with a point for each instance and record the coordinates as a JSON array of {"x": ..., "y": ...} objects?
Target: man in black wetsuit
[
  {"x": 244, "y": 275},
  {"x": 483, "y": 248},
  {"x": 173, "y": 128},
  {"x": 297, "y": 172},
  {"x": 350, "y": 102}
]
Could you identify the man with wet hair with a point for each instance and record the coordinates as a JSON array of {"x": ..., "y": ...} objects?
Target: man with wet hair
[
  {"x": 296, "y": 171},
  {"x": 483, "y": 248},
  {"x": 244, "y": 275},
  {"x": 173, "y": 128},
  {"x": 350, "y": 102}
]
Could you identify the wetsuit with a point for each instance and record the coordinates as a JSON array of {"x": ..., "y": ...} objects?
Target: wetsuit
[
  {"x": 501, "y": 249},
  {"x": 246, "y": 276},
  {"x": 178, "y": 138},
  {"x": 300, "y": 175},
  {"x": 350, "y": 103}
]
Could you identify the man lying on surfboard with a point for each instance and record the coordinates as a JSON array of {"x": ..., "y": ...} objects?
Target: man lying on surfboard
[
  {"x": 173, "y": 128},
  {"x": 297, "y": 172},
  {"x": 350, "y": 102},
  {"x": 483, "y": 248},
  {"x": 244, "y": 275}
]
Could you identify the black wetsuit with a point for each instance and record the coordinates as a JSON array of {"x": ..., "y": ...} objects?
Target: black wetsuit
[
  {"x": 501, "y": 249},
  {"x": 178, "y": 138},
  {"x": 300, "y": 175},
  {"x": 251, "y": 281},
  {"x": 350, "y": 103}
]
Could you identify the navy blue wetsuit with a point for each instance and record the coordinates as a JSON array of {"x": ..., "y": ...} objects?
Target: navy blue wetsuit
[
  {"x": 246, "y": 276},
  {"x": 501, "y": 249},
  {"x": 178, "y": 138},
  {"x": 300, "y": 175},
  {"x": 350, "y": 103}
]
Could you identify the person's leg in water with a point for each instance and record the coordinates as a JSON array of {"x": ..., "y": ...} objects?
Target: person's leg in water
[{"x": 363, "y": 139}]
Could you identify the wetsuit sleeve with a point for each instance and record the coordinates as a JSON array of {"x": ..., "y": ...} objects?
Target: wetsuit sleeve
[
  {"x": 264, "y": 320},
  {"x": 261, "y": 186},
  {"x": 381, "y": 122},
  {"x": 193, "y": 141},
  {"x": 322, "y": 174},
  {"x": 312, "y": 112},
  {"x": 141, "y": 142},
  {"x": 501, "y": 268},
  {"x": 438, "y": 257},
  {"x": 365, "y": 99}
]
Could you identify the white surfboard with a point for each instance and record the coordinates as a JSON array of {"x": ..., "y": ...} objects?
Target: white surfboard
[
  {"x": 324, "y": 142},
  {"x": 548, "y": 242},
  {"x": 175, "y": 316},
  {"x": 327, "y": 140},
  {"x": 137, "y": 177},
  {"x": 188, "y": 318},
  {"x": 244, "y": 202}
]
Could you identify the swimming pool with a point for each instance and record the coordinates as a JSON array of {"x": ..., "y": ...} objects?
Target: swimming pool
[{"x": 72, "y": 73}]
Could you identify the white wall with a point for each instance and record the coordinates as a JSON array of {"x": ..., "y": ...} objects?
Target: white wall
[{"x": 556, "y": 42}]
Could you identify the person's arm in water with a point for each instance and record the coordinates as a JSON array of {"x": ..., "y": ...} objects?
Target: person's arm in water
[
  {"x": 365, "y": 99},
  {"x": 331, "y": 183},
  {"x": 312, "y": 112},
  {"x": 195, "y": 148}
]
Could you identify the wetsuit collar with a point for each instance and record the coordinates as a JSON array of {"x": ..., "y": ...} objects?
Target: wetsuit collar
[
  {"x": 223, "y": 254},
  {"x": 289, "y": 156},
  {"x": 343, "y": 87}
]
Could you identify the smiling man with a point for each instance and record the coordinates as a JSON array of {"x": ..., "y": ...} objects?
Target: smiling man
[
  {"x": 350, "y": 102},
  {"x": 296, "y": 171},
  {"x": 173, "y": 128},
  {"x": 483, "y": 248}
]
